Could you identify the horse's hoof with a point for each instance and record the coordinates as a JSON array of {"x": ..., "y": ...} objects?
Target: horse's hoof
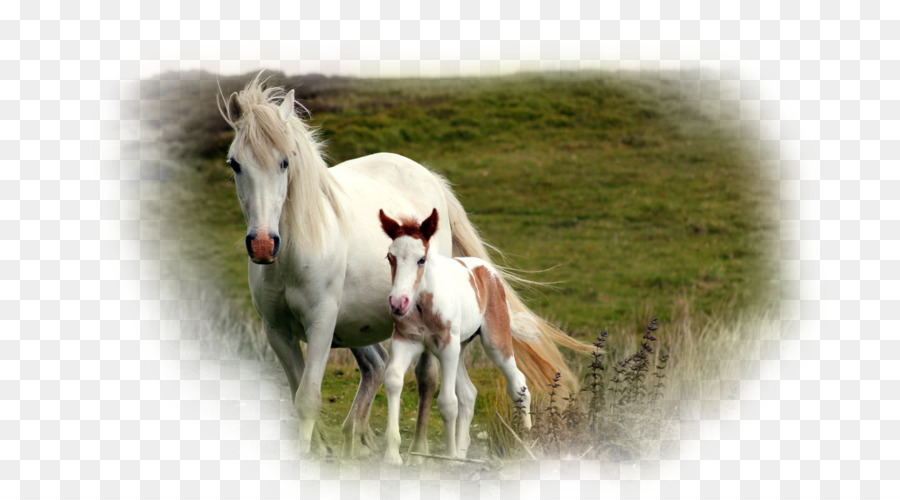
[{"x": 393, "y": 459}]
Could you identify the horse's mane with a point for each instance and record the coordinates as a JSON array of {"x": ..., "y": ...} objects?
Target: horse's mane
[{"x": 260, "y": 131}]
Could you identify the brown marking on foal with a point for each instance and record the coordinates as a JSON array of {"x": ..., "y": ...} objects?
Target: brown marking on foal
[
  {"x": 436, "y": 329},
  {"x": 410, "y": 227},
  {"x": 419, "y": 273},
  {"x": 492, "y": 303},
  {"x": 393, "y": 262},
  {"x": 423, "y": 323},
  {"x": 410, "y": 327},
  {"x": 479, "y": 295}
]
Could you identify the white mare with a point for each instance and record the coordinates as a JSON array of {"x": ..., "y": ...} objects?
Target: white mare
[
  {"x": 438, "y": 305},
  {"x": 316, "y": 251}
]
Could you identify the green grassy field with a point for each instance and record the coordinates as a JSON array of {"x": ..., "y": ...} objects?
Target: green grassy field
[{"x": 636, "y": 200}]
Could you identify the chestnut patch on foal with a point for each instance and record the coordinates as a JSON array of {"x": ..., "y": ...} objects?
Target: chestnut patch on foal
[
  {"x": 479, "y": 294},
  {"x": 492, "y": 302},
  {"x": 436, "y": 328},
  {"x": 423, "y": 323},
  {"x": 409, "y": 327},
  {"x": 409, "y": 227}
]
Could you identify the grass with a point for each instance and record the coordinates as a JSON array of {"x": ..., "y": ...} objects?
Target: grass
[{"x": 637, "y": 200}]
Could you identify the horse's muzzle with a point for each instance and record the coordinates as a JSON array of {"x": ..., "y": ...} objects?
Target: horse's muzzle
[{"x": 262, "y": 249}]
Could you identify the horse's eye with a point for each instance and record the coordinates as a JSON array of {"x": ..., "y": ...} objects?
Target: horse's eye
[
  {"x": 422, "y": 261},
  {"x": 234, "y": 165},
  {"x": 284, "y": 164}
]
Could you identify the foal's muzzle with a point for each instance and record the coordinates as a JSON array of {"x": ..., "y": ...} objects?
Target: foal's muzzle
[
  {"x": 262, "y": 248},
  {"x": 399, "y": 305}
]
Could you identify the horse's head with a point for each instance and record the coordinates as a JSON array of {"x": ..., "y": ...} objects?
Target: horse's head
[
  {"x": 260, "y": 155},
  {"x": 407, "y": 255}
]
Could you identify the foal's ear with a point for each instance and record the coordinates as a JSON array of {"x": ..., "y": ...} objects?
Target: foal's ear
[
  {"x": 287, "y": 106},
  {"x": 390, "y": 226},
  {"x": 430, "y": 225}
]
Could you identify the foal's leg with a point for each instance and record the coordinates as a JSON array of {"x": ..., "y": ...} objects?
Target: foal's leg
[
  {"x": 466, "y": 393},
  {"x": 448, "y": 403},
  {"x": 402, "y": 354},
  {"x": 497, "y": 341},
  {"x": 358, "y": 436},
  {"x": 426, "y": 383}
]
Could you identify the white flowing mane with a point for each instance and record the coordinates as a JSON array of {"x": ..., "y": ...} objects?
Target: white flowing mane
[{"x": 260, "y": 131}]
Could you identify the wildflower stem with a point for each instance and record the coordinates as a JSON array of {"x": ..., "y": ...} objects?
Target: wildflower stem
[{"x": 516, "y": 436}]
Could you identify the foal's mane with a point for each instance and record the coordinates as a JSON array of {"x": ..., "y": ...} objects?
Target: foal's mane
[{"x": 260, "y": 131}]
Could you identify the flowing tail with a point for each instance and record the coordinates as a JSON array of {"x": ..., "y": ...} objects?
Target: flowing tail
[{"x": 534, "y": 340}]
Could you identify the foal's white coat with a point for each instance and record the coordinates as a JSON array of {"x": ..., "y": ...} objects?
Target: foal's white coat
[{"x": 439, "y": 304}]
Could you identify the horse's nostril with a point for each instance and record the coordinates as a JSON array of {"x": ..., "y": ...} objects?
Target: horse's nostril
[
  {"x": 249, "y": 242},
  {"x": 277, "y": 244}
]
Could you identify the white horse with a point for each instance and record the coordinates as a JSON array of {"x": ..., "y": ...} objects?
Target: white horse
[
  {"x": 316, "y": 256},
  {"x": 439, "y": 304}
]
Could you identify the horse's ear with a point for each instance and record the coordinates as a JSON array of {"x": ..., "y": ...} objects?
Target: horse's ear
[
  {"x": 390, "y": 226},
  {"x": 233, "y": 108},
  {"x": 287, "y": 106},
  {"x": 430, "y": 225}
]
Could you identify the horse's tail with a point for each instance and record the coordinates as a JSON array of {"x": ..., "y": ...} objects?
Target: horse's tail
[{"x": 534, "y": 340}]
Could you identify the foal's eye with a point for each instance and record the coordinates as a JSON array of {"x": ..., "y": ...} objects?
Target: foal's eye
[
  {"x": 234, "y": 165},
  {"x": 284, "y": 164},
  {"x": 422, "y": 261}
]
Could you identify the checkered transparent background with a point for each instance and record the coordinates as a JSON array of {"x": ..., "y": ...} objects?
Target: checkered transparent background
[{"x": 102, "y": 396}]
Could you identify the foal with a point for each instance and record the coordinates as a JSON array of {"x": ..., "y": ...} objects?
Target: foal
[{"x": 440, "y": 304}]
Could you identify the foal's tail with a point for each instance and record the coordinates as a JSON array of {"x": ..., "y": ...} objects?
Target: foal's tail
[{"x": 534, "y": 340}]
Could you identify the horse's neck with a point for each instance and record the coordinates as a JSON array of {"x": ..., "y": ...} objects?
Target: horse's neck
[{"x": 313, "y": 208}]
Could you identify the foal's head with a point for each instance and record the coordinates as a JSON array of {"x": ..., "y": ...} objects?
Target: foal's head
[{"x": 407, "y": 255}]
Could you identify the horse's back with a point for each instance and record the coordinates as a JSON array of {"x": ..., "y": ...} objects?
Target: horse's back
[
  {"x": 387, "y": 174},
  {"x": 399, "y": 186}
]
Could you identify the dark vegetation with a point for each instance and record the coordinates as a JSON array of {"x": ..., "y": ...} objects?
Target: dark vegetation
[{"x": 618, "y": 406}]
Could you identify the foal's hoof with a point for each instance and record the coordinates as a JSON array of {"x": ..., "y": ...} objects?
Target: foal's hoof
[{"x": 393, "y": 459}]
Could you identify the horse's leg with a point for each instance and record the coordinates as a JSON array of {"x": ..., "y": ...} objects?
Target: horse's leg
[
  {"x": 358, "y": 436},
  {"x": 426, "y": 383},
  {"x": 287, "y": 350},
  {"x": 466, "y": 393},
  {"x": 402, "y": 354},
  {"x": 308, "y": 401},
  {"x": 448, "y": 404}
]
